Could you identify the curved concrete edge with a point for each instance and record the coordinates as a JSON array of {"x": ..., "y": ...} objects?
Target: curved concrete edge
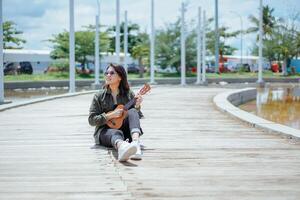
[
  {"x": 222, "y": 102},
  {"x": 38, "y": 100}
]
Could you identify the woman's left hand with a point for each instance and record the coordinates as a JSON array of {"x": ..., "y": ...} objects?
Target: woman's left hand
[{"x": 139, "y": 100}]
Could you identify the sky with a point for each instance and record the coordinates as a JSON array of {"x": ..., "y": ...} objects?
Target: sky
[{"x": 40, "y": 19}]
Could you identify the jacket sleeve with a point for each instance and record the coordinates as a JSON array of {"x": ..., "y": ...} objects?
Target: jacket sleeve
[{"x": 96, "y": 114}]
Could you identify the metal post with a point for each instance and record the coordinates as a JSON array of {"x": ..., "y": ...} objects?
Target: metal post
[
  {"x": 241, "y": 39},
  {"x": 241, "y": 59},
  {"x": 199, "y": 32},
  {"x": 260, "y": 80},
  {"x": 118, "y": 31},
  {"x": 152, "y": 39},
  {"x": 204, "y": 48},
  {"x": 216, "y": 37},
  {"x": 71, "y": 48},
  {"x": 125, "y": 41},
  {"x": 1, "y": 57},
  {"x": 97, "y": 82},
  {"x": 183, "y": 81}
]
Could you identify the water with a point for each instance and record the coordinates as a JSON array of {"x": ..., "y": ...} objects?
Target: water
[
  {"x": 280, "y": 104},
  {"x": 18, "y": 95}
]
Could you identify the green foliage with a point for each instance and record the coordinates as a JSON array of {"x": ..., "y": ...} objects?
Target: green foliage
[
  {"x": 269, "y": 22},
  {"x": 168, "y": 44},
  {"x": 224, "y": 49},
  {"x": 141, "y": 51},
  {"x": 84, "y": 44},
  {"x": 281, "y": 38},
  {"x": 11, "y": 39},
  {"x": 60, "y": 45},
  {"x": 61, "y": 64},
  {"x": 243, "y": 69}
]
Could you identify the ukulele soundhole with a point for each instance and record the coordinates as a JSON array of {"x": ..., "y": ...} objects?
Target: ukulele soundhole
[{"x": 113, "y": 122}]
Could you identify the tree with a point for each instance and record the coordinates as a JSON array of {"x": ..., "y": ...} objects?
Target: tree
[
  {"x": 280, "y": 37},
  {"x": 285, "y": 37},
  {"x": 141, "y": 51},
  {"x": 84, "y": 45},
  {"x": 168, "y": 46},
  {"x": 224, "y": 49},
  {"x": 298, "y": 44},
  {"x": 11, "y": 36},
  {"x": 269, "y": 23},
  {"x": 60, "y": 45}
]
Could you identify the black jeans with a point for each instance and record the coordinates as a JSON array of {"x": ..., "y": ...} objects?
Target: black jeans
[{"x": 131, "y": 124}]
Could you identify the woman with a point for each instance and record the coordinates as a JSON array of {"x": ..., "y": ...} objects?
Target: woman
[{"x": 116, "y": 91}]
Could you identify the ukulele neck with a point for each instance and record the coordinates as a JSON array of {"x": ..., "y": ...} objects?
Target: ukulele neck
[
  {"x": 129, "y": 104},
  {"x": 146, "y": 88}
]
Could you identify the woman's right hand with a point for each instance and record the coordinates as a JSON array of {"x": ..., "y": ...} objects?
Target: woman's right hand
[{"x": 115, "y": 114}]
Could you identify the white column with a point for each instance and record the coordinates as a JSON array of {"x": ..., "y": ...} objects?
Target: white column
[
  {"x": 125, "y": 41},
  {"x": 71, "y": 48},
  {"x": 97, "y": 82},
  {"x": 1, "y": 57},
  {"x": 183, "y": 81},
  {"x": 241, "y": 39},
  {"x": 216, "y": 36},
  {"x": 204, "y": 48},
  {"x": 260, "y": 80},
  {"x": 118, "y": 31},
  {"x": 199, "y": 47},
  {"x": 152, "y": 44}
]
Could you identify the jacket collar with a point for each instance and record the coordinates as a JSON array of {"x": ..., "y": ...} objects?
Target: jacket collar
[{"x": 107, "y": 90}]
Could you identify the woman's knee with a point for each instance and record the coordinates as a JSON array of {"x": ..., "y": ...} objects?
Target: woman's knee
[
  {"x": 133, "y": 111},
  {"x": 118, "y": 133}
]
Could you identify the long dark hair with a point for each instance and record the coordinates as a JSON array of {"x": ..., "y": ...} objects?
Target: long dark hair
[{"x": 123, "y": 86}]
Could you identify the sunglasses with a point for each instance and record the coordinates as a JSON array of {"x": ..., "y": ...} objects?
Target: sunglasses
[{"x": 110, "y": 73}]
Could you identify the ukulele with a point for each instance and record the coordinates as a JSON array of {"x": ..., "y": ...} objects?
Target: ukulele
[{"x": 116, "y": 123}]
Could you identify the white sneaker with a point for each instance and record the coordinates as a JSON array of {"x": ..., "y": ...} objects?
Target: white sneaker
[
  {"x": 139, "y": 153},
  {"x": 126, "y": 150}
]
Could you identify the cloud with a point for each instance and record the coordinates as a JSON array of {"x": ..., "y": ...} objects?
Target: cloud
[{"x": 31, "y": 8}]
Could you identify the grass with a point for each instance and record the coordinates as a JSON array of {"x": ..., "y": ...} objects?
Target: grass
[
  {"x": 44, "y": 77},
  {"x": 266, "y": 74},
  {"x": 65, "y": 76}
]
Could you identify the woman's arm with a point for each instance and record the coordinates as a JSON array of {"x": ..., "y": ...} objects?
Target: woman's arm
[{"x": 96, "y": 116}]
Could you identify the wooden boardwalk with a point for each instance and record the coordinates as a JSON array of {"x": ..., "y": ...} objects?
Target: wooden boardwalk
[{"x": 193, "y": 151}]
